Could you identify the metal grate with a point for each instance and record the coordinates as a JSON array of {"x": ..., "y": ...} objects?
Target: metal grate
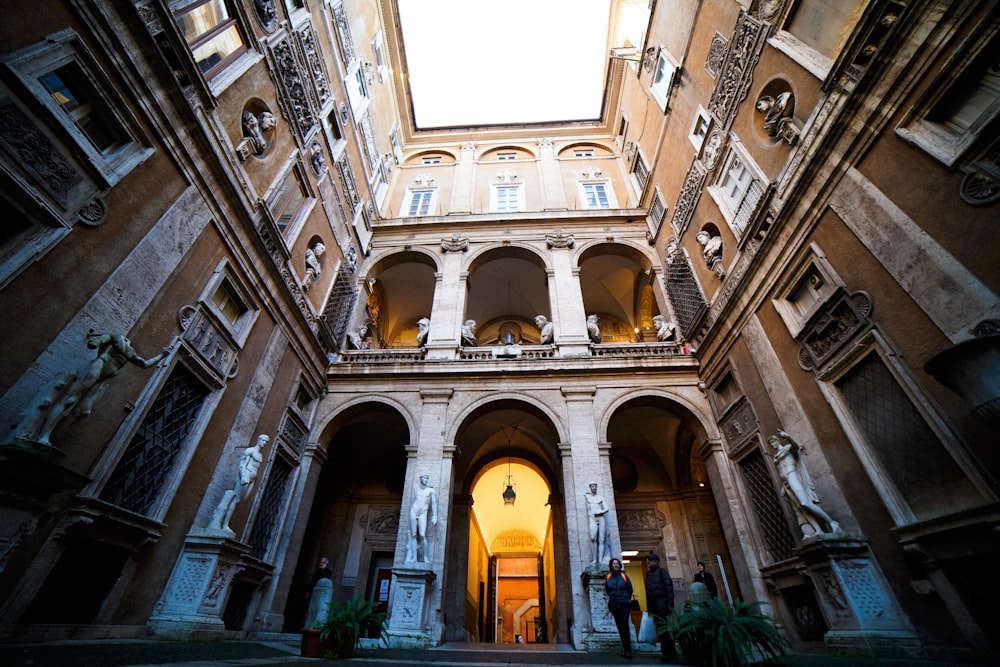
[
  {"x": 767, "y": 506},
  {"x": 685, "y": 295},
  {"x": 143, "y": 468},
  {"x": 898, "y": 436},
  {"x": 339, "y": 305},
  {"x": 270, "y": 508}
]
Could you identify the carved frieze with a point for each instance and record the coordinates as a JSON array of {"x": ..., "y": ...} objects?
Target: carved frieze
[
  {"x": 346, "y": 173},
  {"x": 368, "y": 138},
  {"x": 843, "y": 319},
  {"x": 294, "y": 88},
  {"x": 455, "y": 244},
  {"x": 207, "y": 338},
  {"x": 734, "y": 78},
  {"x": 382, "y": 522},
  {"x": 313, "y": 60},
  {"x": 716, "y": 55},
  {"x": 981, "y": 185},
  {"x": 739, "y": 428},
  {"x": 688, "y": 198},
  {"x": 343, "y": 27},
  {"x": 640, "y": 524}
]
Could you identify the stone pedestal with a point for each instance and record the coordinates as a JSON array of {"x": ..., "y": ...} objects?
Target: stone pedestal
[
  {"x": 195, "y": 598},
  {"x": 408, "y": 617},
  {"x": 602, "y": 633},
  {"x": 860, "y": 610}
]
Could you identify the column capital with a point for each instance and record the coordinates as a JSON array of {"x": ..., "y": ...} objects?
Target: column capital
[
  {"x": 578, "y": 393},
  {"x": 436, "y": 395}
]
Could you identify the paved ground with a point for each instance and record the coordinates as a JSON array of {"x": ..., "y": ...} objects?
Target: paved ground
[{"x": 142, "y": 653}]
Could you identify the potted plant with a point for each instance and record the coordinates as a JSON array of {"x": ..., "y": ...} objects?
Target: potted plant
[
  {"x": 312, "y": 642},
  {"x": 346, "y": 623},
  {"x": 713, "y": 634}
]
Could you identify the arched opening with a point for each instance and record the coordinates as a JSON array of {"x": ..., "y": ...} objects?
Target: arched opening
[
  {"x": 400, "y": 291},
  {"x": 354, "y": 517},
  {"x": 510, "y": 585},
  {"x": 507, "y": 289},
  {"x": 663, "y": 497},
  {"x": 617, "y": 283}
]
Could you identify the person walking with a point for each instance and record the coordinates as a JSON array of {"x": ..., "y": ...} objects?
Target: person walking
[
  {"x": 706, "y": 578},
  {"x": 619, "y": 589},
  {"x": 660, "y": 603}
]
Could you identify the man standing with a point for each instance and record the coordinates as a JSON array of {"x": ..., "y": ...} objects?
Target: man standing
[
  {"x": 707, "y": 579},
  {"x": 660, "y": 602}
]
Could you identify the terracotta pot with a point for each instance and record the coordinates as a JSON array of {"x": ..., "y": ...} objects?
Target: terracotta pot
[{"x": 312, "y": 645}]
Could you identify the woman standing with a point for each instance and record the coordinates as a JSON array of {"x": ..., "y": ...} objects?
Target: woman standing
[{"x": 619, "y": 589}]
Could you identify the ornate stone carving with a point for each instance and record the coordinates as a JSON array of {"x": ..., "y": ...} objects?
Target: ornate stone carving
[
  {"x": 368, "y": 140},
  {"x": 842, "y": 320},
  {"x": 560, "y": 240},
  {"x": 294, "y": 89},
  {"x": 712, "y": 149},
  {"x": 981, "y": 185},
  {"x": 716, "y": 55},
  {"x": 507, "y": 176},
  {"x": 688, "y": 199},
  {"x": 424, "y": 180},
  {"x": 591, "y": 172},
  {"x": 740, "y": 427},
  {"x": 36, "y": 155},
  {"x": 343, "y": 27},
  {"x": 94, "y": 212},
  {"x": 382, "y": 521},
  {"x": 455, "y": 244},
  {"x": 734, "y": 78},
  {"x": 266, "y": 15},
  {"x": 313, "y": 60},
  {"x": 208, "y": 339},
  {"x": 346, "y": 173}
]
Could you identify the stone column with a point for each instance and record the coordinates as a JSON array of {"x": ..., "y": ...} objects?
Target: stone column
[
  {"x": 416, "y": 619},
  {"x": 553, "y": 196},
  {"x": 445, "y": 331},
  {"x": 463, "y": 187},
  {"x": 566, "y": 298}
]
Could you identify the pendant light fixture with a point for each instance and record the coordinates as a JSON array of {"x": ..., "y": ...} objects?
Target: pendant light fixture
[{"x": 509, "y": 495}]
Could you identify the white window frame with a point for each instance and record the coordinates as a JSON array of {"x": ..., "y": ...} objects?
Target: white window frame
[
  {"x": 814, "y": 61},
  {"x": 66, "y": 48},
  {"x": 396, "y": 141},
  {"x": 229, "y": 70},
  {"x": 605, "y": 187},
  {"x": 640, "y": 165},
  {"x": 363, "y": 227},
  {"x": 295, "y": 224},
  {"x": 357, "y": 89},
  {"x": 495, "y": 198},
  {"x": 430, "y": 159},
  {"x": 664, "y": 73},
  {"x": 240, "y": 328},
  {"x": 700, "y": 127},
  {"x": 335, "y": 134},
  {"x": 655, "y": 219},
  {"x": 583, "y": 152},
  {"x": 942, "y": 141},
  {"x": 378, "y": 52},
  {"x": 423, "y": 198},
  {"x": 735, "y": 181},
  {"x": 796, "y": 314},
  {"x": 506, "y": 155}
]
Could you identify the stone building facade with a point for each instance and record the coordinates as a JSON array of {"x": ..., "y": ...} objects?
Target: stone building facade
[{"x": 781, "y": 225}]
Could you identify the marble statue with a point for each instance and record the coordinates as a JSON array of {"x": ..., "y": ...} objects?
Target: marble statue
[
  {"x": 712, "y": 249},
  {"x": 597, "y": 516},
  {"x": 422, "y": 510},
  {"x": 593, "y": 330},
  {"x": 316, "y": 157},
  {"x": 423, "y": 326},
  {"x": 469, "y": 333},
  {"x": 545, "y": 328},
  {"x": 665, "y": 329},
  {"x": 313, "y": 267},
  {"x": 358, "y": 339},
  {"x": 798, "y": 487},
  {"x": 76, "y": 393},
  {"x": 250, "y": 462},
  {"x": 254, "y": 128},
  {"x": 775, "y": 109}
]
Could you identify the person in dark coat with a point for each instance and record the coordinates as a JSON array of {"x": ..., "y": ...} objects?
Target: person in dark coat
[
  {"x": 660, "y": 601},
  {"x": 619, "y": 589},
  {"x": 707, "y": 579}
]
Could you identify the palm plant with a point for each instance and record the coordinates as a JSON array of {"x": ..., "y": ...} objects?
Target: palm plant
[
  {"x": 713, "y": 634},
  {"x": 347, "y": 621}
]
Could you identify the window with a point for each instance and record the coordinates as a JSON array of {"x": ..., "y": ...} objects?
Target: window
[
  {"x": 66, "y": 80},
  {"x": 965, "y": 107},
  {"x": 396, "y": 141},
  {"x": 431, "y": 159},
  {"x": 663, "y": 77},
  {"x": 738, "y": 190},
  {"x": 419, "y": 202},
  {"x": 657, "y": 213},
  {"x": 824, "y": 25},
  {"x": 210, "y": 29},
  {"x": 641, "y": 172},
  {"x": 507, "y": 198},
  {"x": 597, "y": 195},
  {"x": 378, "y": 51},
  {"x": 357, "y": 91},
  {"x": 622, "y": 131},
  {"x": 583, "y": 152},
  {"x": 506, "y": 156},
  {"x": 287, "y": 202},
  {"x": 808, "y": 287},
  {"x": 699, "y": 129},
  {"x": 229, "y": 305}
]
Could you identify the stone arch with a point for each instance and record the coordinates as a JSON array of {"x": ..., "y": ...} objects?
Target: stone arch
[
  {"x": 506, "y": 288},
  {"x": 398, "y": 291},
  {"x": 617, "y": 281}
]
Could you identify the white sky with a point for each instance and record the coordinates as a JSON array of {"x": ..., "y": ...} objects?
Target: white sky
[{"x": 478, "y": 62}]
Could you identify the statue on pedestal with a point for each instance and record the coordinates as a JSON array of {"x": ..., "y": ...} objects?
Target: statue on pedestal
[
  {"x": 76, "y": 393},
  {"x": 424, "y": 507},
  {"x": 799, "y": 488},
  {"x": 469, "y": 333},
  {"x": 545, "y": 328},
  {"x": 593, "y": 330},
  {"x": 665, "y": 329},
  {"x": 597, "y": 515},
  {"x": 423, "y": 326},
  {"x": 250, "y": 462}
]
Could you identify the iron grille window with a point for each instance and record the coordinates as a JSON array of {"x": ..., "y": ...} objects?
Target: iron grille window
[
  {"x": 685, "y": 295},
  {"x": 907, "y": 449},
  {"x": 270, "y": 508},
  {"x": 767, "y": 506},
  {"x": 148, "y": 459},
  {"x": 339, "y": 305}
]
